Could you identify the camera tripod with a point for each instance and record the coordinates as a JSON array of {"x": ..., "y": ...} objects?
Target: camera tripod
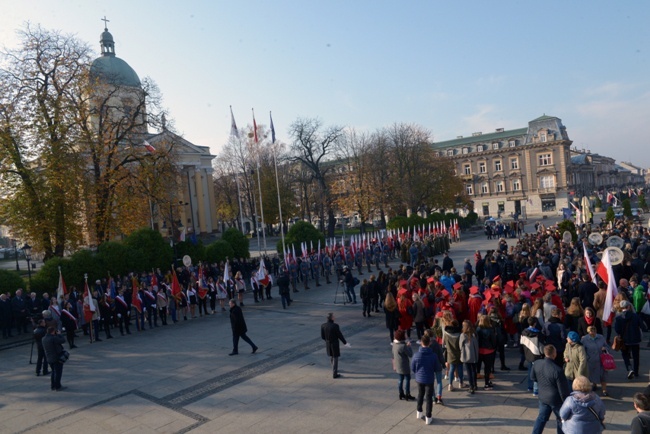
[{"x": 340, "y": 292}]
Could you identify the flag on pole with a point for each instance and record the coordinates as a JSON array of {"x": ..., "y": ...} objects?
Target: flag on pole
[
  {"x": 226, "y": 273},
  {"x": 89, "y": 306},
  {"x": 254, "y": 127},
  {"x": 612, "y": 291},
  {"x": 272, "y": 129},
  {"x": 590, "y": 268},
  {"x": 233, "y": 126},
  {"x": 136, "y": 302},
  {"x": 61, "y": 290},
  {"x": 176, "y": 286},
  {"x": 262, "y": 275}
]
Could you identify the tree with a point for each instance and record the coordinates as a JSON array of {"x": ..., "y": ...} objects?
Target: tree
[
  {"x": 627, "y": 208},
  {"x": 642, "y": 203},
  {"x": 609, "y": 215},
  {"x": 238, "y": 242},
  {"x": 150, "y": 247},
  {"x": 301, "y": 232},
  {"x": 219, "y": 251},
  {"x": 39, "y": 129},
  {"x": 10, "y": 281},
  {"x": 311, "y": 147}
]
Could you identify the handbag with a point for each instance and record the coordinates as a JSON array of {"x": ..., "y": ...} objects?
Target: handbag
[
  {"x": 64, "y": 356},
  {"x": 618, "y": 344},
  {"x": 607, "y": 361}
]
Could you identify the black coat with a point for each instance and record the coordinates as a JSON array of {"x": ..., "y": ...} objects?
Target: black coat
[
  {"x": 331, "y": 334},
  {"x": 553, "y": 385},
  {"x": 392, "y": 318},
  {"x": 237, "y": 321},
  {"x": 53, "y": 346}
]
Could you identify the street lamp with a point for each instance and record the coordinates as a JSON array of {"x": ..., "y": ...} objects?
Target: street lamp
[
  {"x": 27, "y": 250},
  {"x": 15, "y": 243}
]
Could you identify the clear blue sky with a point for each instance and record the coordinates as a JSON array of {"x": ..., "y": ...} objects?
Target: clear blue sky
[{"x": 453, "y": 67}]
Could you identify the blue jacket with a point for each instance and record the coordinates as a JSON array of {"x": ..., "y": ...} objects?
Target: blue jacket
[
  {"x": 424, "y": 365},
  {"x": 576, "y": 414}
]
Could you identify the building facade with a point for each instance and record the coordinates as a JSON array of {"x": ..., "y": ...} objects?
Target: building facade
[
  {"x": 189, "y": 206},
  {"x": 522, "y": 171}
]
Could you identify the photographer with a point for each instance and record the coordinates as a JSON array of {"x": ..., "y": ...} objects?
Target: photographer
[
  {"x": 53, "y": 347},
  {"x": 39, "y": 333},
  {"x": 349, "y": 285}
]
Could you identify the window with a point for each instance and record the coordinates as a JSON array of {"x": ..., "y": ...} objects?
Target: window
[
  {"x": 497, "y": 166},
  {"x": 467, "y": 169},
  {"x": 516, "y": 185},
  {"x": 469, "y": 190},
  {"x": 450, "y": 153},
  {"x": 514, "y": 163},
  {"x": 480, "y": 148},
  {"x": 542, "y": 137},
  {"x": 545, "y": 159},
  {"x": 548, "y": 204},
  {"x": 465, "y": 150},
  {"x": 512, "y": 143},
  {"x": 495, "y": 145},
  {"x": 547, "y": 181},
  {"x": 482, "y": 167},
  {"x": 485, "y": 188},
  {"x": 499, "y": 186}
]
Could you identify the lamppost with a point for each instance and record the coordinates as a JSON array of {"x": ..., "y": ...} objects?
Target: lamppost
[
  {"x": 15, "y": 243},
  {"x": 27, "y": 250}
]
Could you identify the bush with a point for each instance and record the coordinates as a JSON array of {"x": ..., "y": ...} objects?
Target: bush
[
  {"x": 627, "y": 208},
  {"x": 301, "y": 232},
  {"x": 194, "y": 251},
  {"x": 397, "y": 222},
  {"x": 155, "y": 252},
  {"x": 609, "y": 215},
  {"x": 10, "y": 281},
  {"x": 218, "y": 251},
  {"x": 471, "y": 218},
  {"x": 238, "y": 242},
  {"x": 115, "y": 258},
  {"x": 642, "y": 203},
  {"x": 568, "y": 225}
]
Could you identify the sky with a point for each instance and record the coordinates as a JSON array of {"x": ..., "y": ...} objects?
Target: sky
[{"x": 452, "y": 67}]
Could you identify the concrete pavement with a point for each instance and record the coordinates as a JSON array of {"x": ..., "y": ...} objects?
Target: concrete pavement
[{"x": 180, "y": 379}]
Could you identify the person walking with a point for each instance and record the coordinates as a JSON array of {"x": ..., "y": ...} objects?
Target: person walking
[
  {"x": 424, "y": 365},
  {"x": 53, "y": 347},
  {"x": 392, "y": 315},
  {"x": 553, "y": 389},
  {"x": 331, "y": 334},
  {"x": 595, "y": 345},
  {"x": 628, "y": 326},
  {"x": 641, "y": 423},
  {"x": 469, "y": 353},
  {"x": 402, "y": 353},
  {"x": 239, "y": 329},
  {"x": 582, "y": 411},
  {"x": 575, "y": 358}
]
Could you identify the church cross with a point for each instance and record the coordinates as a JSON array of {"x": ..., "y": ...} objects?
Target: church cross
[{"x": 105, "y": 21}]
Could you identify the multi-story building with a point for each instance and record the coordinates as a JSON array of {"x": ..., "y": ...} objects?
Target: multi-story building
[{"x": 522, "y": 171}]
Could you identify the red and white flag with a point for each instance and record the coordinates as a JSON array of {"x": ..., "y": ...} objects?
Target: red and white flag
[
  {"x": 61, "y": 290},
  {"x": 89, "y": 306},
  {"x": 262, "y": 275},
  {"x": 612, "y": 290},
  {"x": 148, "y": 147},
  {"x": 588, "y": 266},
  {"x": 136, "y": 302}
]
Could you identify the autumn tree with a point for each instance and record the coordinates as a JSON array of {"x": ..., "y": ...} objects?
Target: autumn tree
[
  {"x": 312, "y": 145},
  {"x": 40, "y": 169}
]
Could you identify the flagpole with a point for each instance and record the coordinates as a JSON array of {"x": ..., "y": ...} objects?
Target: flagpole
[
  {"x": 241, "y": 213},
  {"x": 277, "y": 182},
  {"x": 259, "y": 181}
]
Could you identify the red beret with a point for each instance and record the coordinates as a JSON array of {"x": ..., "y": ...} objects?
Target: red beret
[
  {"x": 431, "y": 279},
  {"x": 522, "y": 274},
  {"x": 473, "y": 290},
  {"x": 457, "y": 285},
  {"x": 496, "y": 279}
]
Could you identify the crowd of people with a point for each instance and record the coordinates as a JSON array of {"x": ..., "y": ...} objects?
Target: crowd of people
[{"x": 535, "y": 295}]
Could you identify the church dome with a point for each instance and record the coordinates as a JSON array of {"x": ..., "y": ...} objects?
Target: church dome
[{"x": 111, "y": 69}]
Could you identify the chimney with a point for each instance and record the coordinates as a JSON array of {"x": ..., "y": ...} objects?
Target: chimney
[
  {"x": 500, "y": 130},
  {"x": 477, "y": 134},
  {"x": 459, "y": 137}
]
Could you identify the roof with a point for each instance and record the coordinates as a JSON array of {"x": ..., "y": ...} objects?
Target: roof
[
  {"x": 115, "y": 71},
  {"x": 544, "y": 118},
  {"x": 501, "y": 135},
  {"x": 579, "y": 159}
]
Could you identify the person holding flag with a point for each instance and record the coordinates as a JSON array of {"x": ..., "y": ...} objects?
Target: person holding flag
[{"x": 90, "y": 312}]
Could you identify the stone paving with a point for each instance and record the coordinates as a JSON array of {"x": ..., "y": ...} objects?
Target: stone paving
[{"x": 179, "y": 379}]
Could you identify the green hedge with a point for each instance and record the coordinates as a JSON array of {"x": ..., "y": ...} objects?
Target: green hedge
[{"x": 10, "y": 281}]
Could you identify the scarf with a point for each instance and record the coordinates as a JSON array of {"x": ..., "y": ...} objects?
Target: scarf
[{"x": 590, "y": 321}]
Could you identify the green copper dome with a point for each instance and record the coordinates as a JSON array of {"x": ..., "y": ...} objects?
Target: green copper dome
[{"x": 111, "y": 69}]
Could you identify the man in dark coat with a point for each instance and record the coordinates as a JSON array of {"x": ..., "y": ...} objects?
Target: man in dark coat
[
  {"x": 283, "y": 287},
  {"x": 238, "y": 328},
  {"x": 628, "y": 326},
  {"x": 53, "y": 347},
  {"x": 553, "y": 389},
  {"x": 331, "y": 334}
]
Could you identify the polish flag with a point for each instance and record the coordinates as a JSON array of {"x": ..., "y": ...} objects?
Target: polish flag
[
  {"x": 135, "y": 296},
  {"x": 148, "y": 147},
  {"x": 590, "y": 268},
  {"x": 61, "y": 290},
  {"x": 612, "y": 291}
]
